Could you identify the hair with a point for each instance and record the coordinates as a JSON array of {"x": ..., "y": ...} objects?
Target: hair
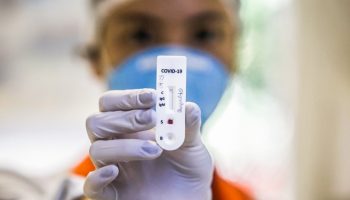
[{"x": 235, "y": 4}]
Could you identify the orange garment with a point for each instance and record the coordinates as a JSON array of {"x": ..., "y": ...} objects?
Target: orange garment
[{"x": 222, "y": 189}]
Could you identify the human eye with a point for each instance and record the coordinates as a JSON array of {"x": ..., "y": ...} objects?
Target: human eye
[
  {"x": 141, "y": 36},
  {"x": 205, "y": 35}
]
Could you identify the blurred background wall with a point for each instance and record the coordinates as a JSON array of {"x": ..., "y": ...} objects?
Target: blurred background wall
[
  {"x": 323, "y": 114},
  {"x": 251, "y": 134},
  {"x": 46, "y": 90}
]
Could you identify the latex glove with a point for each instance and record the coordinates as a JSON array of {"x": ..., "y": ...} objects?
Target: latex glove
[{"x": 131, "y": 166}]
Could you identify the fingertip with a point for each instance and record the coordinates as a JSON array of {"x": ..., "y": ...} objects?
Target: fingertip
[
  {"x": 102, "y": 98},
  {"x": 110, "y": 171},
  {"x": 151, "y": 149},
  {"x": 153, "y": 118},
  {"x": 193, "y": 114},
  {"x": 93, "y": 150},
  {"x": 91, "y": 127},
  {"x": 98, "y": 180},
  {"x": 146, "y": 117},
  {"x": 147, "y": 97}
]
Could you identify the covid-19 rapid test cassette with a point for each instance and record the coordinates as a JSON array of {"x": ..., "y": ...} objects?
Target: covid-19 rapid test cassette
[{"x": 171, "y": 99}]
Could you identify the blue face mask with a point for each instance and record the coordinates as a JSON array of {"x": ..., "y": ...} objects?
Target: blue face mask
[{"x": 207, "y": 77}]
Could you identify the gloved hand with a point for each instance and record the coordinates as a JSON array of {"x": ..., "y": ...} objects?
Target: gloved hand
[{"x": 131, "y": 166}]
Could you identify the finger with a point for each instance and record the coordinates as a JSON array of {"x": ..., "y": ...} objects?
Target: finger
[
  {"x": 111, "y": 124},
  {"x": 115, "y": 151},
  {"x": 193, "y": 157},
  {"x": 127, "y": 100},
  {"x": 142, "y": 135},
  {"x": 193, "y": 124},
  {"x": 98, "y": 183}
]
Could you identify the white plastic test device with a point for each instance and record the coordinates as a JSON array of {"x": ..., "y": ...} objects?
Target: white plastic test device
[{"x": 171, "y": 99}]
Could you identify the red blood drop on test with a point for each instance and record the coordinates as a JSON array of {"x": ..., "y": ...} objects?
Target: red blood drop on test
[{"x": 170, "y": 121}]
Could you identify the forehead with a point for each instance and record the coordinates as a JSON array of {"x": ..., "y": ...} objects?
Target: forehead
[{"x": 173, "y": 10}]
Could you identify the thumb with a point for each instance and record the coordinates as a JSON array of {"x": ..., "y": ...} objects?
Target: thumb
[
  {"x": 193, "y": 157},
  {"x": 97, "y": 185},
  {"x": 193, "y": 124}
]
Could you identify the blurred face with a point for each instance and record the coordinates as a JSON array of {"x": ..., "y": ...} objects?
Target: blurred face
[{"x": 134, "y": 25}]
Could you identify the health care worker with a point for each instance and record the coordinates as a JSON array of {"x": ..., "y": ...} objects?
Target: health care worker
[{"x": 130, "y": 34}]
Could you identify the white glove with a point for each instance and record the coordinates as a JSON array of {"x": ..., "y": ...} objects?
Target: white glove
[{"x": 131, "y": 166}]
